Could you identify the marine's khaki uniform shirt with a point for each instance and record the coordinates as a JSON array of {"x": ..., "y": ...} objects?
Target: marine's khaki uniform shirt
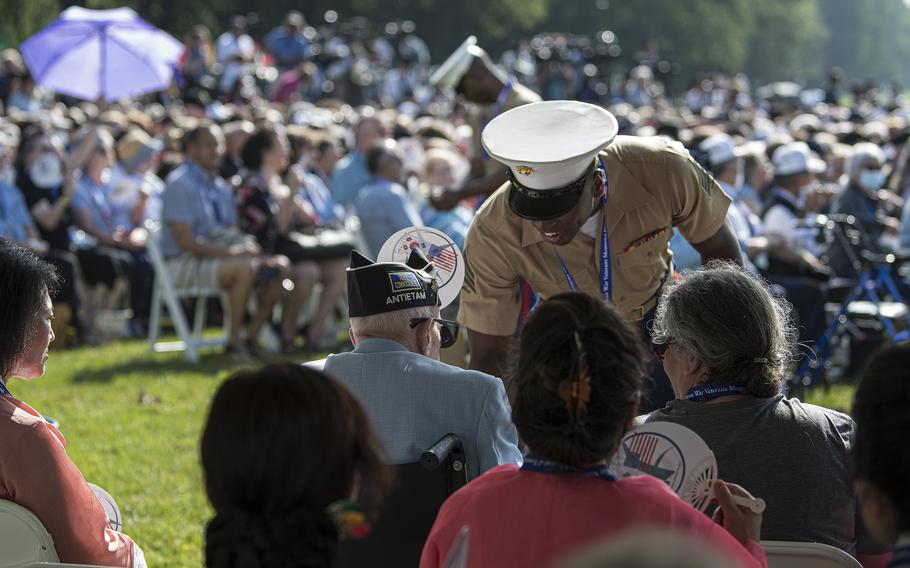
[
  {"x": 518, "y": 96},
  {"x": 654, "y": 185}
]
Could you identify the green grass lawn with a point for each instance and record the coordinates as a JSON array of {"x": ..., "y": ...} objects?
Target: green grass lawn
[{"x": 132, "y": 420}]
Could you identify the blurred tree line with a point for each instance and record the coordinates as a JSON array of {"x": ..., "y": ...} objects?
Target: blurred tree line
[{"x": 768, "y": 39}]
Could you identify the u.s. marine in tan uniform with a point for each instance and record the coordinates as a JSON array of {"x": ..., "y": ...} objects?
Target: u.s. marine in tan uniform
[
  {"x": 546, "y": 224},
  {"x": 471, "y": 73}
]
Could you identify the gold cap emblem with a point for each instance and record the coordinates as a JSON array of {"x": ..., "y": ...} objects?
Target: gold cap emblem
[{"x": 524, "y": 170}]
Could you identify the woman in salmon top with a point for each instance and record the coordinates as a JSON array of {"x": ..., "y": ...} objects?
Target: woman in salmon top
[
  {"x": 35, "y": 471},
  {"x": 575, "y": 392}
]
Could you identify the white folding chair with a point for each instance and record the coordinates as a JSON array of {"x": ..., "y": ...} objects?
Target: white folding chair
[
  {"x": 784, "y": 554},
  {"x": 167, "y": 295},
  {"x": 23, "y": 539}
]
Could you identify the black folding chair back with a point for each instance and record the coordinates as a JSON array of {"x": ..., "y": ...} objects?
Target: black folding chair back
[{"x": 409, "y": 510}]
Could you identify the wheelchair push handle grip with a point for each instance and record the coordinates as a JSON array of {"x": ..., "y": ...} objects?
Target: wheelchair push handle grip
[{"x": 437, "y": 453}]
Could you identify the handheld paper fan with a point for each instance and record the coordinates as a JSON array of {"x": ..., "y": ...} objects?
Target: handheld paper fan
[
  {"x": 439, "y": 249},
  {"x": 115, "y": 520},
  {"x": 677, "y": 456}
]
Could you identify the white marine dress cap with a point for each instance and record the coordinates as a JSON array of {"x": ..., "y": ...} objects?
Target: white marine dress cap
[{"x": 549, "y": 148}]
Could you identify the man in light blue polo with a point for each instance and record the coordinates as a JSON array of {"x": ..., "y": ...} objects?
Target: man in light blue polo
[
  {"x": 351, "y": 173},
  {"x": 383, "y": 205},
  {"x": 411, "y": 397}
]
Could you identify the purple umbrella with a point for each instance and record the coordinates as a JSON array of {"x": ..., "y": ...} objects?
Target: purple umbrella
[{"x": 91, "y": 54}]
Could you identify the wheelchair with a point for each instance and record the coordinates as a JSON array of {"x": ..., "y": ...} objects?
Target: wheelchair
[
  {"x": 409, "y": 510},
  {"x": 872, "y": 300}
]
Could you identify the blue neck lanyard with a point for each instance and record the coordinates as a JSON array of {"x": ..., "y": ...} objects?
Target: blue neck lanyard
[
  {"x": 606, "y": 270},
  {"x": 710, "y": 391},
  {"x": 5, "y": 391},
  {"x": 497, "y": 108},
  {"x": 539, "y": 465}
]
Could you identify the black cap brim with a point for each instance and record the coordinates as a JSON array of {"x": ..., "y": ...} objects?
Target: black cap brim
[
  {"x": 537, "y": 205},
  {"x": 541, "y": 209}
]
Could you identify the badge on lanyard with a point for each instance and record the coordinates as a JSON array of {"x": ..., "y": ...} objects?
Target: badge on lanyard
[
  {"x": 606, "y": 269},
  {"x": 711, "y": 391}
]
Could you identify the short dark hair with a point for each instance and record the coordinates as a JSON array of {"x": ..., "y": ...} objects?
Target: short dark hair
[
  {"x": 881, "y": 409},
  {"x": 787, "y": 180},
  {"x": 261, "y": 141},
  {"x": 281, "y": 444},
  {"x": 193, "y": 134},
  {"x": 23, "y": 279},
  {"x": 325, "y": 143},
  {"x": 548, "y": 354},
  {"x": 377, "y": 156}
]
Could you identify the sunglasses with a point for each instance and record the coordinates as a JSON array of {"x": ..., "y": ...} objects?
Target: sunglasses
[
  {"x": 448, "y": 330},
  {"x": 660, "y": 349}
]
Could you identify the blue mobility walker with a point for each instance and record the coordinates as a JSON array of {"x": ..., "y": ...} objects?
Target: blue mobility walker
[{"x": 875, "y": 282}]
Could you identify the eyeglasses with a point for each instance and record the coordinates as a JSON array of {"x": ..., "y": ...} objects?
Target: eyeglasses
[
  {"x": 660, "y": 347},
  {"x": 448, "y": 330}
]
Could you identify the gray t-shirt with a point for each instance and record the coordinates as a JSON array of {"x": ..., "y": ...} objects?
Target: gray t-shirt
[{"x": 793, "y": 455}]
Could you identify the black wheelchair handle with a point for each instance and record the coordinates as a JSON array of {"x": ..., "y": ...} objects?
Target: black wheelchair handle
[{"x": 437, "y": 453}]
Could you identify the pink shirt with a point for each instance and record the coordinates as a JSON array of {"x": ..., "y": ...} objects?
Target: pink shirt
[
  {"x": 528, "y": 519},
  {"x": 36, "y": 473}
]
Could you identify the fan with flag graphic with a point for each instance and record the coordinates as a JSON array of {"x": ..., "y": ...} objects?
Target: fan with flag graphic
[
  {"x": 439, "y": 249},
  {"x": 677, "y": 456}
]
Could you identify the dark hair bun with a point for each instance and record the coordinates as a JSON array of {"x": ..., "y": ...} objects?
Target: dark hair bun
[
  {"x": 549, "y": 354},
  {"x": 240, "y": 540}
]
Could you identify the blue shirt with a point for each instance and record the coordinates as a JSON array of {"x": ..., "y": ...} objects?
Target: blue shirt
[
  {"x": 413, "y": 401},
  {"x": 200, "y": 199},
  {"x": 454, "y": 223},
  {"x": 287, "y": 48},
  {"x": 744, "y": 225},
  {"x": 95, "y": 199},
  {"x": 317, "y": 194},
  {"x": 15, "y": 218},
  {"x": 349, "y": 176},
  {"x": 384, "y": 209}
]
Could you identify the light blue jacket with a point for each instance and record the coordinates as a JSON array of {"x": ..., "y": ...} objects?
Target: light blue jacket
[{"x": 413, "y": 401}]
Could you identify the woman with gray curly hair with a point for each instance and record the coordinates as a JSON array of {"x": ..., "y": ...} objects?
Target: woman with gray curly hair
[{"x": 726, "y": 341}]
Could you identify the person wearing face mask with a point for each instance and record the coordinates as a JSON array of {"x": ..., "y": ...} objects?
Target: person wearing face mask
[
  {"x": 864, "y": 199},
  {"x": 16, "y": 223},
  {"x": 383, "y": 205},
  {"x": 585, "y": 211},
  {"x": 412, "y": 398},
  {"x": 42, "y": 177}
]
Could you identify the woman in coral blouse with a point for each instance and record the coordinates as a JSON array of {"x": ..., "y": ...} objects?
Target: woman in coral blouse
[
  {"x": 35, "y": 471},
  {"x": 575, "y": 392}
]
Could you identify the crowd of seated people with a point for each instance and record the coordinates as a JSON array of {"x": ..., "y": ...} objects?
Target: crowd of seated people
[
  {"x": 265, "y": 194},
  {"x": 80, "y": 182},
  {"x": 293, "y": 465}
]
